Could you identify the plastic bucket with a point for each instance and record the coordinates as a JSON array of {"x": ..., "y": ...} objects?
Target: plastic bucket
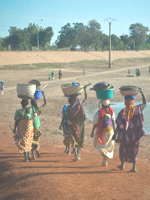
[
  {"x": 105, "y": 94},
  {"x": 38, "y": 94}
]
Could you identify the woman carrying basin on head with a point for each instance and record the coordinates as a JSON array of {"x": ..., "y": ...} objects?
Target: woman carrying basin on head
[
  {"x": 130, "y": 130},
  {"x": 23, "y": 129},
  {"x": 104, "y": 122},
  {"x": 75, "y": 116}
]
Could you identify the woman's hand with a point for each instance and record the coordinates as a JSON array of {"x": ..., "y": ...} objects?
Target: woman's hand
[
  {"x": 14, "y": 131},
  {"x": 60, "y": 127}
]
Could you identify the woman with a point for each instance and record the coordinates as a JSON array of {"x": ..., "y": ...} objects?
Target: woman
[
  {"x": 60, "y": 74},
  {"x": 53, "y": 75},
  {"x": 104, "y": 122},
  {"x": 36, "y": 124},
  {"x": 75, "y": 124},
  {"x": 130, "y": 130},
  {"x": 23, "y": 128}
]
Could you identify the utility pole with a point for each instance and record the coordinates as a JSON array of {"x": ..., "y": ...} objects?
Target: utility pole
[
  {"x": 38, "y": 35},
  {"x": 109, "y": 20}
]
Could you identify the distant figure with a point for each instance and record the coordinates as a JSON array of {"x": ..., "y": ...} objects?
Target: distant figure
[
  {"x": 49, "y": 77},
  {"x": 136, "y": 71},
  {"x": 128, "y": 71},
  {"x": 60, "y": 74},
  {"x": 9, "y": 49},
  {"x": 139, "y": 73},
  {"x": 84, "y": 72},
  {"x": 2, "y": 87},
  {"x": 53, "y": 75}
]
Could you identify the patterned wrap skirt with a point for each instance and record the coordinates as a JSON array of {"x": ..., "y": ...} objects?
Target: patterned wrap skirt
[{"x": 24, "y": 136}]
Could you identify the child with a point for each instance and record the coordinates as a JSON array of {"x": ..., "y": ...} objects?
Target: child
[
  {"x": 36, "y": 124},
  {"x": 64, "y": 125},
  {"x": 2, "y": 87}
]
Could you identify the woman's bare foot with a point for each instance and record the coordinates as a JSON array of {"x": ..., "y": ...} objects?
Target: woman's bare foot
[
  {"x": 133, "y": 170},
  {"x": 121, "y": 167}
]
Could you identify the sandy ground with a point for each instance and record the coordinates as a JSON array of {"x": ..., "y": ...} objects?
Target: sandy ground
[{"x": 54, "y": 175}]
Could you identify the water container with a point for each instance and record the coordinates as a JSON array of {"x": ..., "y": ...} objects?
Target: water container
[
  {"x": 75, "y": 83},
  {"x": 38, "y": 94},
  {"x": 105, "y": 94}
]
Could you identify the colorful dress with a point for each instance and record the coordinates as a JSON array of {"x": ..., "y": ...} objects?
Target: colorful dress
[
  {"x": 75, "y": 123},
  {"x": 25, "y": 133},
  {"x": 2, "y": 89},
  {"x": 36, "y": 125},
  {"x": 64, "y": 113},
  {"x": 53, "y": 75},
  {"x": 129, "y": 136},
  {"x": 104, "y": 132}
]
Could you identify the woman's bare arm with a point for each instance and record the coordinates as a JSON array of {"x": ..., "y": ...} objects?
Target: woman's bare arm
[{"x": 143, "y": 105}]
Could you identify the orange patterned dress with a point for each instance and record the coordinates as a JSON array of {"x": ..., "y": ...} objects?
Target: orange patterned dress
[{"x": 25, "y": 131}]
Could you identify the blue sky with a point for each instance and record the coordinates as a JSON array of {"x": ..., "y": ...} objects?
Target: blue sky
[{"x": 57, "y": 13}]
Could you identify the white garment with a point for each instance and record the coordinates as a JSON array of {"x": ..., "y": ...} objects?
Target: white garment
[{"x": 108, "y": 147}]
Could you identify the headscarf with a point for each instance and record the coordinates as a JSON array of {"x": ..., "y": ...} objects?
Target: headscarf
[
  {"x": 24, "y": 103},
  {"x": 129, "y": 110},
  {"x": 105, "y": 102},
  {"x": 106, "y": 109}
]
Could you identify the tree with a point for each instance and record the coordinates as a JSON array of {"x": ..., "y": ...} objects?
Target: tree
[
  {"x": 115, "y": 41},
  {"x": 45, "y": 36},
  {"x": 13, "y": 40},
  {"x": 104, "y": 41},
  {"x": 126, "y": 41},
  {"x": 84, "y": 35},
  {"x": 138, "y": 33},
  {"x": 66, "y": 37},
  {"x": 17, "y": 39},
  {"x": 29, "y": 31}
]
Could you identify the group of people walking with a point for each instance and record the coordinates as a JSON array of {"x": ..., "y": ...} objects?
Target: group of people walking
[{"x": 126, "y": 129}]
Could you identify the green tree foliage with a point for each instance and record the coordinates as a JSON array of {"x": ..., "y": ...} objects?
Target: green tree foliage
[
  {"x": 127, "y": 41},
  {"x": 44, "y": 36},
  {"x": 138, "y": 33},
  {"x": 14, "y": 38},
  {"x": 89, "y": 35},
  {"x": 104, "y": 41},
  {"x": 115, "y": 41},
  {"x": 84, "y": 35},
  {"x": 19, "y": 39},
  {"x": 67, "y": 36}
]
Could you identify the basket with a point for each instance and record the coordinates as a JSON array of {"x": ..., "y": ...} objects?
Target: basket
[
  {"x": 104, "y": 94},
  {"x": 129, "y": 90},
  {"x": 35, "y": 82},
  {"x": 38, "y": 94},
  {"x": 69, "y": 89},
  {"x": 26, "y": 90}
]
